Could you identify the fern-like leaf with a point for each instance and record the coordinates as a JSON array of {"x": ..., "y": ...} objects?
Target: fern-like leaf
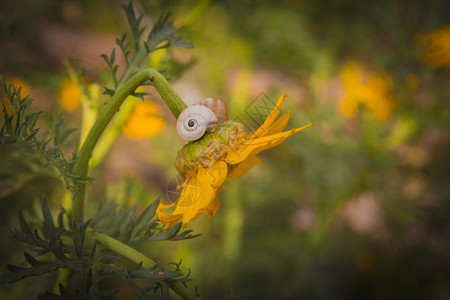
[{"x": 19, "y": 125}]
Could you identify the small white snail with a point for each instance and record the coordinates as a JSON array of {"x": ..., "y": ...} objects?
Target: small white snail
[{"x": 194, "y": 121}]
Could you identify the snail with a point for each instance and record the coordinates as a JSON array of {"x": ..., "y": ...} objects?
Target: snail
[
  {"x": 218, "y": 107},
  {"x": 196, "y": 120}
]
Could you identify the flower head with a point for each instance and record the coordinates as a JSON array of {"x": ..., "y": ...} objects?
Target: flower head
[
  {"x": 371, "y": 90},
  {"x": 437, "y": 44},
  {"x": 206, "y": 164},
  {"x": 70, "y": 95}
]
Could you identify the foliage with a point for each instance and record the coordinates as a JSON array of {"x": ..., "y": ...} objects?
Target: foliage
[
  {"x": 91, "y": 252},
  {"x": 67, "y": 247},
  {"x": 351, "y": 209},
  {"x": 19, "y": 126},
  {"x": 163, "y": 35}
]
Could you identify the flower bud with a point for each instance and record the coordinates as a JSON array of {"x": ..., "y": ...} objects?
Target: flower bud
[{"x": 210, "y": 148}]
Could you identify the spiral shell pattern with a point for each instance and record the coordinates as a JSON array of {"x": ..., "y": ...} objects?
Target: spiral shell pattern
[{"x": 194, "y": 121}]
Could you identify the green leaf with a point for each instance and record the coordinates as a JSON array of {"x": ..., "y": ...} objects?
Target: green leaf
[
  {"x": 106, "y": 59},
  {"x": 178, "y": 43},
  {"x": 134, "y": 24},
  {"x": 38, "y": 241},
  {"x": 30, "y": 259},
  {"x": 140, "y": 95},
  {"x": 185, "y": 235},
  {"x": 165, "y": 235},
  {"x": 123, "y": 46},
  {"x": 78, "y": 237},
  {"x": 66, "y": 134},
  {"x": 102, "y": 213},
  {"x": 49, "y": 227},
  {"x": 112, "y": 57},
  {"x": 177, "y": 265},
  {"x": 23, "y": 224},
  {"x": 126, "y": 222},
  {"x": 21, "y": 273},
  {"x": 108, "y": 91},
  {"x": 144, "y": 218},
  {"x": 61, "y": 218},
  {"x": 153, "y": 274}
]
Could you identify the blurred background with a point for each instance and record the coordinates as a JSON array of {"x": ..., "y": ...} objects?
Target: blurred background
[{"x": 356, "y": 207}]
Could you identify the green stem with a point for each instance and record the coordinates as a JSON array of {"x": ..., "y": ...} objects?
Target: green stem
[
  {"x": 112, "y": 132},
  {"x": 121, "y": 248},
  {"x": 80, "y": 168},
  {"x": 182, "y": 291},
  {"x": 89, "y": 104},
  {"x": 137, "y": 257}
]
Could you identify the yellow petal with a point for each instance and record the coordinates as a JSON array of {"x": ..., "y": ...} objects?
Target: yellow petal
[
  {"x": 255, "y": 146},
  {"x": 268, "y": 142},
  {"x": 162, "y": 206},
  {"x": 212, "y": 208},
  {"x": 245, "y": 166},
  {"x": 197, "y": 197},
  {"x": 168, "y": 218},
  {"x": 279, "y": 125},
  {"x": 270, "y": 119}
]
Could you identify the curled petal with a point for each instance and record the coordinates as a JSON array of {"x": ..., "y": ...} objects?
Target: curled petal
[
  {"x": 279, "y": 125},
  {"x": 212, "y": 208},
  {"x": 262, "y": 130},
  {"x": 198, "y": 195},
  {"x": 245, "y": 166},
  {"x": 255, "y": 146}
]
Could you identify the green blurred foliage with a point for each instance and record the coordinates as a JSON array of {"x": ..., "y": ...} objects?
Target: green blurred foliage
[{"x": 348, "y": 209}]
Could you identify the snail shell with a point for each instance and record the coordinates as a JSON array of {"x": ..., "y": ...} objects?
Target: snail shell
[
  {"x": 218, "y": 107},
  {"x": 194, "y": 121}
]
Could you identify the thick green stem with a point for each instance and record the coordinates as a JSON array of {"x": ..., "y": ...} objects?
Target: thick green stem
[
  {"x": 121, "y": 248},
  {"x": 80, "y": 169},
  {"x": 182, "y": 291},
  {"x": 89, "y": 104},
  {"x": 137, "y": 257},
  {"x": 173, "y": 101},
  {"x": 112, "y": 132}
]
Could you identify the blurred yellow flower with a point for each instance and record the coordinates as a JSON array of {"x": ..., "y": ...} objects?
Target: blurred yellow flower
[
  {"x": 18, "y": 83},
  {"x": 227, "y": 152},
  {"x": 371, "y": 90},
  {"x": 437, "y": 44},
  {"x": 70, "y": 95},
  {"x": 145, "y": 121}
]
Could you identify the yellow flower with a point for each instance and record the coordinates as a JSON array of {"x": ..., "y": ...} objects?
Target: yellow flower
[
  {"x": 5, "y": 103},
  {"x": 70, "y": 95},
  {"x": 145, "y": 121},
  {"x": 19, "y": 83},
  {"x": 227, "y": 152},
  {"x": 371, "y": 90},
  {"x": 437, "y": 44}
]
